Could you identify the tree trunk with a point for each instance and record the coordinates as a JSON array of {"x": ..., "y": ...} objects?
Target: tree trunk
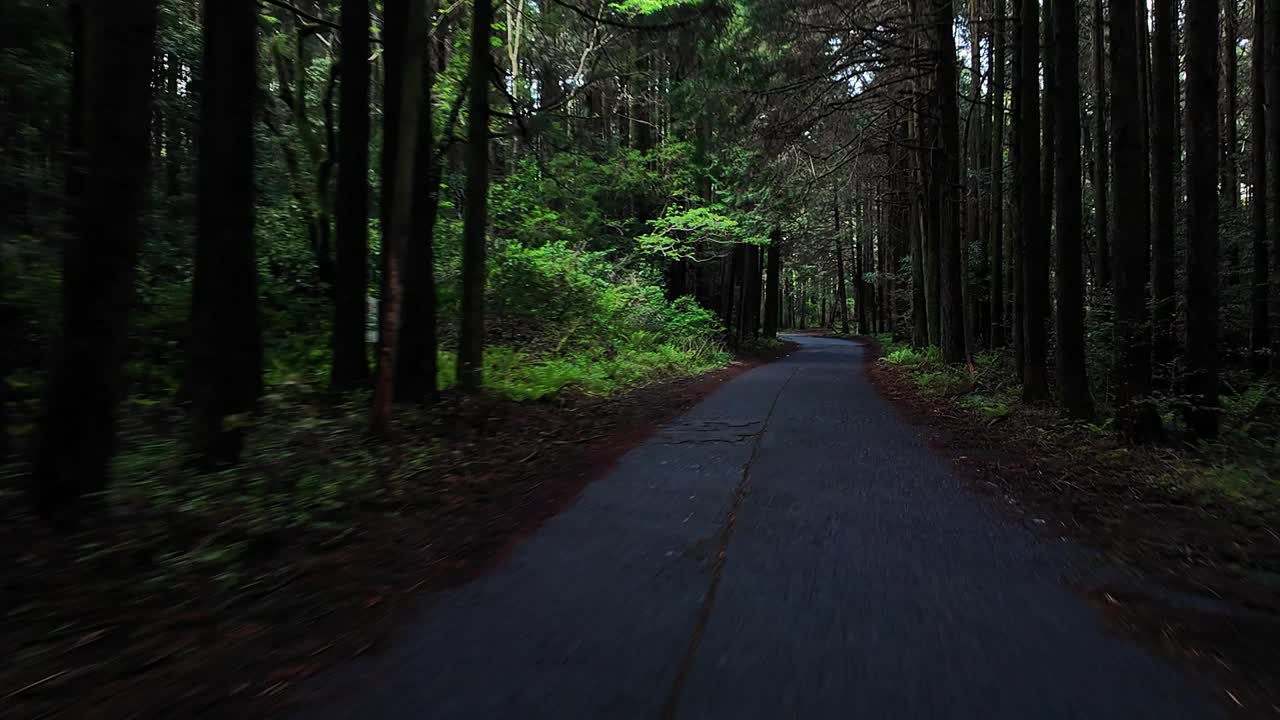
[
  {"x": 919, "y": 316},
  {"x": 995, "y": 243},
  {"x": 1202, "y": 42},
  {"x": 1273, "y": 150},
  {"x": 1073, "y": 381},
  {"x": 1163, "y": 135},
  {"x": 1034, "y": 258},
  {"x": 1101, "y": 156},
  {"x": 471, "y": 332},
  {"x": 76, "y": 435},
  {"x": 1136, "y": 415},
  {"x": 416, "y": 365},
  {"x": 1260, "y": 326},
  {"x": 1049, "y": 118},
  {"x": 841, "y": 292},
  {"x": 226, "y": 345},
  {"x": 350, "y": 363},
  {"x": 772, "y": 293},
  {"x": 951, "y": 296},
  {"x": 1230, "y": 76},
  {"x": 408, "y": 130}
]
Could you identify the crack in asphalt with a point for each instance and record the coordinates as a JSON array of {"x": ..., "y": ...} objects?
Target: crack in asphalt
[{"x": 717, "y": 572}]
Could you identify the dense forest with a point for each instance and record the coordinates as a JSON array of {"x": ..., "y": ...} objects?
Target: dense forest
[
  {"x": 311, "y": 305},
  {"x": 208, "y": 204}
]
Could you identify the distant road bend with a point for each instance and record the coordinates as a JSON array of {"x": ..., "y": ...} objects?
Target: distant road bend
[{"x": 790, "y": 548}]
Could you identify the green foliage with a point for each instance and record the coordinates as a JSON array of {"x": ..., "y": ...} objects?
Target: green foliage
[
  {"x": 582, "y": 332},
  {"x": 943, "y": 382},
  {"x": 985, "y": 406},
  {"x": 904, "y": 356}
]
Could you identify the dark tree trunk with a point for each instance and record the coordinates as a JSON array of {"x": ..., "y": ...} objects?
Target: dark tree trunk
[
  {"x": 869, "y": 264},
  {"x": 1073, "y": 381},
  {"x": 1260, "y": 326},
  {"x": 995, "y": 242},
  {"x": 1101, "y": 155},
  {"x": 752, "y": 292},
  {"x": 1049, "y": 118},
  {"x": 76, "y": 434},
  {"x": 1230, "y": 164},
  {"x": 1017, "y": 190},
  {"x": 226, "y": 345},
  {"x": 841, "y": 292},
  {"x": 728, "y": 277},
  {"x": 1034, "y": 258},
  {"x": 350, "y": 363},
  {"x": 416, "y": 360},
  {"x": 1273, "y": 151},
  {"x": 408, "y": 130},
  {"x": 772, "y": 292},
  {"x": 1163, "y": 135},
  {"x": 1136, "y": 414},
  {"x": 919, "y": 317},
  {"x": 1202, "y": 42},
  {"x": 977, "y": 157},
  {"x": 471, "y": 333}
]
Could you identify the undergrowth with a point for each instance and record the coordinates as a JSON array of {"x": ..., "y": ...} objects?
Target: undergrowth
[{"x": 1237, "y": 470}]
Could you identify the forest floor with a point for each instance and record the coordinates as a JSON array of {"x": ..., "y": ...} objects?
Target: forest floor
[
  {"x": 1206, "y": 586},
  {"x": 214, "y": 595}
]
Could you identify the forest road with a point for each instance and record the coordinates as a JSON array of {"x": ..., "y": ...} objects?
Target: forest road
[{"x": 790, "y": 548}]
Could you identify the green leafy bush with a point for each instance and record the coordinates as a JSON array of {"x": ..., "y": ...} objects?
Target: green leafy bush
[{"x": 904, "y": 356}]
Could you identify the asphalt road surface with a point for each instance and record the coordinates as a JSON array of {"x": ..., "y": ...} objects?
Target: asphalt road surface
[{"x": 789, "y": 548}]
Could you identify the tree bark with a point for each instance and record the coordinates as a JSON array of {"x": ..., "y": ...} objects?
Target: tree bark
[
  {"x": 226, "y": 345},
  {"x": 1260, "y": 325},
  {"x": 772, "y": 292},
  {"x": 951, "y": 297},
  {"x": 471, "y": 332},
  {"x": 995, "y": 243},
  {"x": 1101, "y": 154},
  {"x": 416, "y": 364},
  {"x": 1034, "y": 258},
  {"x": 841, "y": 292},
  {"x": 1202, "y": 33},
  {"x": 1230, "y": 166},
  {"x": 1273, "y": 152},
  {"x": 408, "y": 131},
  {"x": 76, "y": 435},
  {"x": 1163, "y": 135},
  {"x": 1136, "y": 415},
  {"x": 1073, "y": 381},
  {"x": 350, "y": 362}
]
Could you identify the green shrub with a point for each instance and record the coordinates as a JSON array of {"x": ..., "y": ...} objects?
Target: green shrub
[{"x": 904, "y": 356}]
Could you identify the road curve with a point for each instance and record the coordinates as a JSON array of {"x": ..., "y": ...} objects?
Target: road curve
[{"x": 790, "y": 548}]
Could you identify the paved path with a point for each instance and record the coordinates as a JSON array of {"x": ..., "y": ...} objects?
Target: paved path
[{"x": 787, "y": 549}]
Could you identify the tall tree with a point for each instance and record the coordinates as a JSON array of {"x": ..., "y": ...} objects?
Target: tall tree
[
  {"x": 471, "y": 332},
  {"x": 1137, "y": 416},
  {"x": 1101, "y": 155},
  {"x": 950, "y": 268},
  {"x": 416, "y": 358},
  {"x": 842, "y": 296},
  {"x": 772, "y": 295},
  {"x": 1273, "y": 152},
  {"x": 408, "y": 131},
  {"x": 111, "y": 117},
  {"x": 350, "y": 362},
  {"x": 1230, "y": 165},
  {"x": 1260, "y": 325},
  {"x": 1164, "y": 89},
  {"x": 1033, "y": 238},
  {"x": 1073, "y": 382},
  {"x": 1202, "y": 217},
  {"x": 996, "y": 240},
  {"x": 226, "y": 335}
]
